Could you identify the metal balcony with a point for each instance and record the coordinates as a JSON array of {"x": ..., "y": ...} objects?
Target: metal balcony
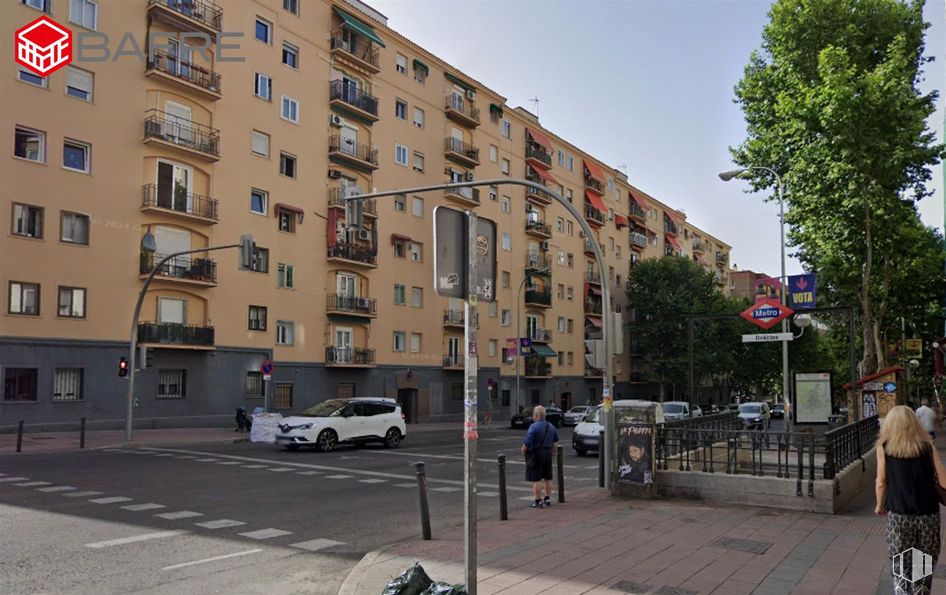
[
  {"x": 636, "y": 212},
  {"x": 353, "y": 254},
  {"x": 461, "y": 152},
  {"x": 538, "y": 156},
  {"x": 462, "y": 111},
  {"x": 197, "y": 271},
  {"x": 181, "y": 204},
  {"x": 538, "y": 228},
  {"x": 593, "y": 307},
  {"x": 352, "y": 153},
  {"x": 166, "y": 333},
  {"x": 593, "y": 215},
  {"x": 356, "y": 49},
  {"x": 593, "y": 277},
  {"x": 353, "y": 100},
  {"x": 453, "y": 318},
  {"x": 188, "y": 15},
  {"x": 637, "y": 239},
  {"x": 536, "y": 262},
  {"x": 671, "y": 227},
  {"x": 351, "y": 306},
  {"x": 194, "y": 139},
  {"x": 537, "y": 368},
  {"x": 540, "y": 335},
  {"x": 368, "y": 205},
  {"x": 466, "y": 196},
  {"x": 453, "y": 361},
  {"x": 353, "y": 357},
  {"x": 594, "y": 185},
  {"x": 184, "y": 74},
  {"x": 539, "y": 297}
]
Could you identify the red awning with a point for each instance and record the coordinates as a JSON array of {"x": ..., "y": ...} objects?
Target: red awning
[
  {"x": 540, "y": 138},
  {"x": 620, "y": 220},
  {"x": 638, "y": 200},
  {"x": 332, "y": 227},
  {"x": 284, "y": 207},
  {"x": 673, "y": 217},
  {"x": 544, "y": 175},
  {"x": 595, "y": 320},
  {"x": 592, "y": 289},
  {"x": 595, "y": 201},
  {"x": 594, "y": 170},
  {"x": 398, "y": 237},
  {"x": 876, "y": 375},
  {"x": 673, "y": 242}
]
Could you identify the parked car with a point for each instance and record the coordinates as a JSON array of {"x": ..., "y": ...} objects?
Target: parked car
[
  {"x": 676, "y": 410},
  {"x": 586, "y": 434},
  {"x": 574, "y": 415},
  {"x": 523, "y": 419},
  {"x": 755, "y": 415},
  {"x": 778, "y": 411},
  {"x": 336, "y": 421},
  {"x": 696, "y": 411}
]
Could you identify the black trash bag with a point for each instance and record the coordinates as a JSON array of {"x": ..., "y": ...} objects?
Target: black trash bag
[
  {"x": 413, "y": 581},
  {"x": 439, "y": 588}
]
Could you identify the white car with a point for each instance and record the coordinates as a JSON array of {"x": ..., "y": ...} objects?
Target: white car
[
  {"x": 677, "y": 410},
  {"x": 755, "y": 415},
  {"x": 359, "y": 420},
  {"x": 574, "y": 415},
  {"x": 587, "y": 432}
]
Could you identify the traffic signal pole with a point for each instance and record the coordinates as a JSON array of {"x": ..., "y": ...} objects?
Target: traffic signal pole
[{"x": 470, "y": 433}]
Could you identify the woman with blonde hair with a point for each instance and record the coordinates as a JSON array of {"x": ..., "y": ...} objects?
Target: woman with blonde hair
[{"x": 908, "y": 469}]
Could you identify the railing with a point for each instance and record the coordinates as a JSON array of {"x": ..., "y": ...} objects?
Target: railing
[
  {"x": 594, "y": 184},
  {"x": 353, "y": 252},
  {"x": 592, "y": 307},
  {"x": 470, "y": 194},
  {"x": 458, "y": 146},
  {"x": 593, "y": 277},
  {"x": 699, "y": 246},
  {"x": 353, "y": 96},
  {"x": 671, "y": 228},
  {"x": 179, "y": 267},
  {"x": 849, "y": 443},
  {"x": 537, "y": 367},
  {"x": 452, "y": 360},
  {"x": 534, "y": 151},
  {"x": 363, "y": 50},
  {"x": 453, "y": 317},
  {"x": 347, "y": 303},
  {"x": 721, "y": 257},
  {"x": 354, "y": 149},
  {"x": 184, "y": 70},
  {"x": 538, "y": 226},
  {"x": 593, "y": 372},
  {"x": 462, "y": 106},
  {"x": 535, "y": 296},
  {"x": 206, "y": 13},
  {"x": 540, "y": 335},
  {"x": 541, "y": 195},
  {"x": 177, "y": 334},
  {"x": 638, "y": 239},
  {"x": 637, "y": 211},
  {"x": 720, "y": 421},
  {"x": 537, "y": 261},
  {"x": 182, "y": 132},
  {"x": 182, "y": 202},
  {"x": 349, "y": 356},
  {"x": 594, "y": 214},
  {"x": 368, "y": 205}
]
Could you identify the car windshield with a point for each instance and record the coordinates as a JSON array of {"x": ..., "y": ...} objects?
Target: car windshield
[
  {"x": 592, "y": 417},
  {"x": 750, "y": 408},
  {"x": 578, "y": 409},
  {"x": 673, "y": 408},
  {"x": 324, "y": 409},
  {"x": 778, "y": 407}
]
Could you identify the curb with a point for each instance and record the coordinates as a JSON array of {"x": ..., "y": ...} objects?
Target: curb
[
  {"x": 355, "y": 576},
  {"x": 159, "y": 444}
]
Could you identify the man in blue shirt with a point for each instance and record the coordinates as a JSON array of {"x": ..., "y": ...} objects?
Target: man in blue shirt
[{"x": 537, "y": 448}]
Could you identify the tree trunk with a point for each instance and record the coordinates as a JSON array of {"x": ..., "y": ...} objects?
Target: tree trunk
[{"x": 869, "y": 360}]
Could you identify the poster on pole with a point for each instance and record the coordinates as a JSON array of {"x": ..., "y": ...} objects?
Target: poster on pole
[
  {"x": 451, "y": 255},
  {"x": 636, "y": 453},
  {"x": 812, "y": 397}
]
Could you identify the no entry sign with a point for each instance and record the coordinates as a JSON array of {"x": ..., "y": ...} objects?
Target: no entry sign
[{"x": 766, "y": 313}]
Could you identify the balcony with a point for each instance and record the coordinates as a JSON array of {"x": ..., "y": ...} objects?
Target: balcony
[
  {"x": 353, "y": 254},
  {"x": 354, "y": 154},
  {"x": 537, "y": 156},
  {"x": 722, "y": 258},
  {"x": 594, "y": 184},
  {"x": 358, "y": 52},
  {"x": 593, "y": 215},
  {"x": 464, "y": 196},
  {"x": 453, "y": 318},
  {"x": 192, "y": 139},
  {"x": 540, "y": 335},
  {"x": 720, "y": 278},
  {"x": 462, "y": 111},
  {"x": 671, "y": 227},
  {"x": 537, "y": 368},
  {"x": 368, "y": 205},
  {"x": 453, "y": 361},
  {"x": 699, "y": 246},
  {"x": 349, "y": 357},
  {"x": 176, "y": 335},
  {"x": 460, "y": 152},
  {"x": 539, "y": 229},
  {"x": 188, "y": 15},
  {"x": 541, "y": 298},
  {"x": 535, "y": 262},
  {"x": 194, "y": 271},
  {"x": 184, "y": 75},
  {"x": 593, "y": 307},
  {"x": 592, "y": 372},
  {"x": 353, "y": 101},
  {"x": 346, "y": 305},
  {"x": 638, "y": 240},
  {"x": 185, "y": 205},
  {"x": 593, "y": 277},
  {"x": 636, "y": 212}
]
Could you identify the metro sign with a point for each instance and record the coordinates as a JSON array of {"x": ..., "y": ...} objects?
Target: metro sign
[{"x": 766, "y": 313}]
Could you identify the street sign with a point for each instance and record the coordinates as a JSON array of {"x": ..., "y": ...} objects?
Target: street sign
[
  {"x": 890, "y": 387},
  {"x": 767, "y": 338},
  {"x": 525, "y": 343},
  {"x": 267, "y": 369},
  {"x": 801, "y": 291},
  {"x": 874, "y": 386},
  {"x": 450, "y": 255},
  {"x": 766, "y": 313},
  {"x": 913, "y": 348}
]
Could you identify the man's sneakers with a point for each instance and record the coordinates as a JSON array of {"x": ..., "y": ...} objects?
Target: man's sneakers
[{"x": 546, "y": 503}]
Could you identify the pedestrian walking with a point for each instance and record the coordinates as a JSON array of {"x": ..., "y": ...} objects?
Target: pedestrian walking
[
  {"x": 537, "y": 449},
  {"x": 908, "y": 471},
  {"x": 927, "y": 417}
]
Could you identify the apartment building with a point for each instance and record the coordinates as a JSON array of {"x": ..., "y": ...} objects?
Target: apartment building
[
  {"x": 752, "y": 286},
  {"x": 192, "y": 150}
]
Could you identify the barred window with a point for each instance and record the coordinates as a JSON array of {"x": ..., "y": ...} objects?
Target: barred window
[
  {"x": 67, "y": 384},
  {"x": 172, "y": 384},
  {"x": 456, "y": 392},
  {"x": 254, "y": 385},
  {"x": 346, "y": 390},
  {"x": 283, "y": 395}
]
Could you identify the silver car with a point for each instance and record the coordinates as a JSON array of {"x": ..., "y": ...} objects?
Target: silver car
[
  {"x": 755, "y": 415},
  {"x": 575, "y": 415}
]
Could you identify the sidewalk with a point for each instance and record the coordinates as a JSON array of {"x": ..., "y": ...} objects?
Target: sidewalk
[{"x": 47, "y": 442}]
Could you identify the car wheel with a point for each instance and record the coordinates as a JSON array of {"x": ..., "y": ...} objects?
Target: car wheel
[
  {"x": 392, "y": 439},
  {"x": 327, "y": 440},
  {"x": 292, "y": 447},
  {"x": 581, "y": 452}
]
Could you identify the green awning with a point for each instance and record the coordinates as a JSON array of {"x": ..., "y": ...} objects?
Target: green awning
[
  {"x": 353, "y": 23},
  {"x": 460, "y": 82},
  {"x": 421, "y": 65},
  {"x": 543, "y": 350},
  {"x": 493, "y": 107}
]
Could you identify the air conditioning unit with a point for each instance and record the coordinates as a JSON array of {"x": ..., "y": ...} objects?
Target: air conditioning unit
[
  {"x": 470, "y": 94},
  {"x": 335, "y": 174},
  {"x": 364, "y": 234},
  {"x": 545, "y": 246},
  {"x": 469, "y": 176},
  {"x": 335, "y": 120}
]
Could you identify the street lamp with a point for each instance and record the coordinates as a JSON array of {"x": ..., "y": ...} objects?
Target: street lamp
[{"x": 527, "y": 277}]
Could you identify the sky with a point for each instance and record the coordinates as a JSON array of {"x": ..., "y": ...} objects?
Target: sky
[{"x": 646, "y": 84}]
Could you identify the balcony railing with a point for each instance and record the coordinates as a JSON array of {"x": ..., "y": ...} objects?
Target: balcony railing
[
  {"x": 462, "y": 107},
  {"x": 538, "y": 261},
  {"x": 539, "y": 296},
  {"x": 182, "y": 202},
  {"x": 594, "y": 184},
  {"x": 453, "y": 317},
  {"x": 638, "y": 239},
  {"x": 339, "y": 91},
  {"x": 636, "y": 211},
  {"x": 465, "y": 150},
  {"x": 537, "y": 152},
  {"x": 185, "y": 133},
  {"x": 539, "y": 227},
  {"x": 592, "y": 307},
  {"x": 593, "y": 372},
  {"x": 593, "y": 214},
  {"x": 368, "y": 205},
  {"x": 463, "y": 193},
  {"x": 205, "y": 13},
  {"x": 186, "y": 268},
  {"x": 699, "y": 246},
  {"x": 671, "y": 228},
  {"x": 349, "y": 356},
  {"x": 353, "y": 252},
  {"x": 593, "y": 277},
  {"x": 167, "y": 333},
  {"x": 358, "y": 48},
  {"x": 452, "y": 360},
  {"x": 537, "y": 367},
  {"x": 353, "y": 149},
  {"x": 185, "y": 71},
  {"x": 540, "y": 335},
  {"x": 721, "y": 257},
  {"x": 351, "y": 304}
]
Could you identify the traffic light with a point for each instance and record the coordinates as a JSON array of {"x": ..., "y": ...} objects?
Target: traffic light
[
  {"x": 122, "y": 367},
  {"x": 354, "y": 209}
]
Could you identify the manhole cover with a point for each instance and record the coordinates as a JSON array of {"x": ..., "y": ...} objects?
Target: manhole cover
[{"x": 743, "y": 545}]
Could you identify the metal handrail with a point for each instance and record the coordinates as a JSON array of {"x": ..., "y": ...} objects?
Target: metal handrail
[
  {"x": 458, "y": 146},
  {"x": 355, "y": 46},
  {"x": 179, "y": 267},
  {"x": 203, "y": 12},
  {"x": 177, "y": 334},
  {"x": 353, "y": 96},
  {"x": 355, "y": 149},
  {"x": 173, "y": 129},
  {"x": 462, "y": 106},
  {"x": 182, "y": 202},
  {"x": 346, "y": 303},
  {"x": 184, "y": 70}
]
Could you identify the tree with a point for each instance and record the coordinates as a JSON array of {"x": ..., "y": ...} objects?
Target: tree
[{"x": 831, "y": 102}]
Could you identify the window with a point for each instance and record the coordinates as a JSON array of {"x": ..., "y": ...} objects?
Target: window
[
  {"x": 286, "y": 220},
  {"x": 561, "y": 258},
  {"x": 285, "y": 276},
  {"x": 27, "y": 76},
  {"x": 284, "y": 332},
  {"x": 27, "y": 221},
  {"x": 417, "y": 252},
  {"x": 492, "y": 310},
  {"x": 264, "y": 30},
  {"x": 491, "y": 348},
  {"x": 571, "y": 358},
  {"x": 506, "y": 318},
  {"x": 456, "y": 392},
  {"x": 568, "y": 194},
  {"x": 507, "y": 129},
  {"x": 263, "y": 87},
  {"x": 418, "y": 117},
  {"x": 493, "y": 153},
  {"x": 259, "y": 143},
  {"x": 611, "y": 184},
  {"x": 400, "y": 294},
  {"x": 29, "y": 144},
  {"x": 257, "y": 318},
  {"x": 415, "y": 342},
  {"x": 84, "y": 13},
  {"x": 400, "y": 109},
  {"x": 418, "y": 161},
  {"x": 560, "y": 294},
  {"x": 506, "y": 280},
  {"x": 505, "y": 166},
  {"x": 19, "y": 384},
  {"x": 618, "y": 280},
  {"x": 67, "y": 384},
  {"x": 287, "y": 165},
  {"x": 400, "y": 248},
  {"x": 570, "y": 326},
  {"x": 260, "y": 262},
  {"x": 507, "y": 242},
  {"x": 400, "y": 64},
  {"x": 569, "y": 228},
  {"x": 617, "y": 251},
  {"x": 400, "y": 154},
  {"x": 610, "y": 214},
  {"x": 561, "y": 159},
  {"x": 259, "y": 201},
  {"x": 282, "y": 395},
  {"x": 290, "y": 109},
  {"x": 400, "y": 341},
  {"x": 71, "y": 302},
  {"x": 291, "y": 6},
  {"x": 24, "y": 298},
  {"x": 417, "y": 297},
  {"x": 254, "y": 384},
  {"x": 77, "y": 156},
  {"x": 172, "y": 384},
  {"x": 74, "y": 228},
  {"x": 400, "y": 203},
  {"x": 571, "y": 163},
  {"x": 505, "y": 397},
  {"x": 611, "y": 244},
  {"x": 420, "y": 73},
  {"x": 505, "y": 204},
  {"x": 38, "y": 4},
  {"x": 571, "y": 260},
  {"x": 570, "y": 293},
  {"x": 290, "y": 55},
  {"x": 561, "y": 358},
  {"x": 493, "y": 192},
  {"x": 417, "y": 206}
]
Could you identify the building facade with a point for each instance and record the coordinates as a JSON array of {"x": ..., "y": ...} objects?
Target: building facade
[{"x": 197, "y": 150}]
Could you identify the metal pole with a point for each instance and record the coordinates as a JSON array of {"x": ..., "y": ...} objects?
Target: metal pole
[
  {"x": 82, "y": 433},
  {"x": 852, "y": 356},
  {"x": 470, "y": 425},
  {"x": 518, "y": 348},
  {"x": 503, "y": 506},
  {"x": 422, "y": 500},
  {"x": 690, "y": 367},
  {"x": 19, "y": 436},
  {"x": 600, "y": 459},
  {"x": 783, "y": 285},
  {"x": 560, "y": 468}
]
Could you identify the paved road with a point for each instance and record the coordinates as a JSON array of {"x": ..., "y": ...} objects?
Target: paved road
[{"x": 235, "y": 518}]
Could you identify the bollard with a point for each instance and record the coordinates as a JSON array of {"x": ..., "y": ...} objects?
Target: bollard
[
  {"x": 560, "y": 467},
  {"x": 601, "y": 460},
  {"x": 82, "y": 433},
  {"x": 424, "y": 505},
  {"x": 503, "y": 506},
  {"x": 19, "y": 436}
]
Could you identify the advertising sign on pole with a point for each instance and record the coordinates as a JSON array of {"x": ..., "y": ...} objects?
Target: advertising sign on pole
[{"x": 801, "y": 291}]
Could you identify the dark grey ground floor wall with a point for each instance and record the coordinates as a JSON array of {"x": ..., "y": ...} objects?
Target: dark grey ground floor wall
[{"x": 216, "y": 384}]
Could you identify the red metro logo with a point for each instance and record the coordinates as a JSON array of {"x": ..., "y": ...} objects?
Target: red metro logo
[
  {"x": 766, "y": 313},
  {"x": 43, "y": 46}
]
